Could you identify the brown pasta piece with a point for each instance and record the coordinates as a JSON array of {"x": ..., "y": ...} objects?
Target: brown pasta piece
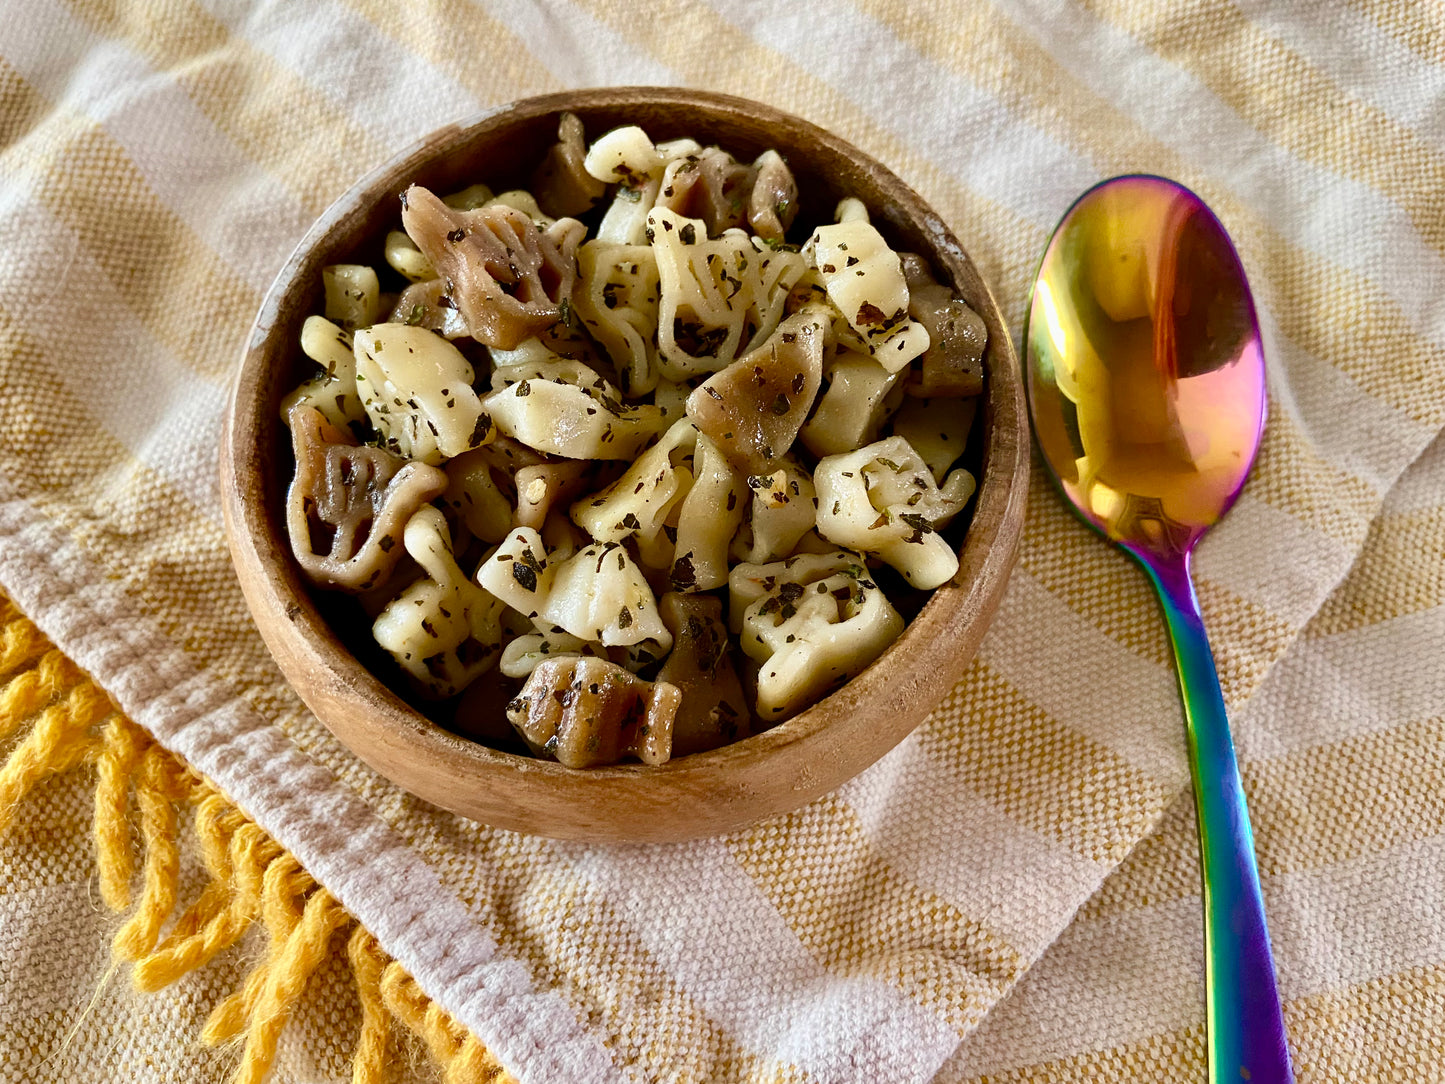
[
  {"x": 426, "y": 304},
  {"x": 561, "y": 183},
  {"x": 753, "y": 409},
  {"x": 952, "y": 366},
  {"x": 586, "y": 712},
  {"x": 714, "y": 709},
  {"x": 348, "y": 504},
  {"x": 506, "y": 277},
  {"x": 710, "y": 185},
  {"x": 773, "y": 202}
]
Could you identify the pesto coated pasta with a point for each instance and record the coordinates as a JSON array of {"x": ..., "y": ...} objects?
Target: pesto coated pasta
[{"x": 616, "y": 460}]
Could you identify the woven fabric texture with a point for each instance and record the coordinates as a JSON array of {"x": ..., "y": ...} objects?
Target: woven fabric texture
[{"x": 1012, "y": 893}]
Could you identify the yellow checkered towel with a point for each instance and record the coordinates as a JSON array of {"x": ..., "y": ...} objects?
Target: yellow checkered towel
[{"x": 1011, "y": 894}]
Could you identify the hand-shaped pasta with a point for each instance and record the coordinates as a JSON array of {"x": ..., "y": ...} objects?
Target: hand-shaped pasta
[
  {"x": 474, "y": 498},
  {"x": 504, "y": 275},
  {"x": 562, "y": 183},
  {"x": 709, "y": 184},
  {"x": 617, "y": 296},
  {"x": 865, "y": 281},
  {"x": 417, "y": 391},
  {"x": 443, "y": 630},
  {"x": 952, "y": 366},
  {"x": 564, "y": 408},
  {"x": 545, "y": 485},
  {"x": 401, "y": 253},
  {"x": 518, "y": 572},
  {"x": 427, "y": 304},
  {"x": 811, "y": 623},
  {"x": 586, "y": 712},
  {"x": 627, "y": 158},
  {"x": 773, "y": 202},
  {"x": 718, "y": 294},
  {"x": 347, "y": 505},
  {"x": 883, "y": 500}
]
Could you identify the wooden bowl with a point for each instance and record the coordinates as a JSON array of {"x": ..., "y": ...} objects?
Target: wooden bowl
[{"x": 699, "y": 795}]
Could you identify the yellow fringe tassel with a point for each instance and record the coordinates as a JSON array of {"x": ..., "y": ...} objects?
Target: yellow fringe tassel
[{"x": 143, "y": 795}]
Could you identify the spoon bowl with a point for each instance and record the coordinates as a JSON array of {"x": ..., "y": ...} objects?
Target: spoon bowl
[
  {"x": 1145, "y": 375},
  {"x": 1146, "y": 382}
]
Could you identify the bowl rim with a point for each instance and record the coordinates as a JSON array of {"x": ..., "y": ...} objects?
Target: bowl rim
[{"x": 705, "y": 793}]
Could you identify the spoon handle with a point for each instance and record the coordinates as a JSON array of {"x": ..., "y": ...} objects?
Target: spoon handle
[{"x": 1246, "y": 1035}]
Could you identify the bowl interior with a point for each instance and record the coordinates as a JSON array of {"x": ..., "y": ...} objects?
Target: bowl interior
[{"x": 693, "y": 796}]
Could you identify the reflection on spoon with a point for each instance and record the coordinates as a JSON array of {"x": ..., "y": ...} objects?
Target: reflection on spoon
[{"x": 1147, "y": 388}]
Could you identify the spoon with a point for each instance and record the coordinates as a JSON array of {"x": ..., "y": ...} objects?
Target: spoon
[{"x": 1146, "y": 384}]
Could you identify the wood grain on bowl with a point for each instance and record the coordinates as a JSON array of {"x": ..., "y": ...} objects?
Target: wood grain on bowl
[{"x": 689, "y": 797}]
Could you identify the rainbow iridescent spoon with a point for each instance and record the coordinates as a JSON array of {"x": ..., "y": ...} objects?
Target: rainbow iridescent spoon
[{"x": 1146, "y": 385}]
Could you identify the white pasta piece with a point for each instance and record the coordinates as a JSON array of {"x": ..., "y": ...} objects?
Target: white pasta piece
[
  {"x": 564, "y": 408},
  {"x": 521, "y": 656},
  {"x": 624, "y": 155},
  {"x": 625, "y": 222},
  {"x": 656, "y": 552},
  {"x": 333, "y": 391},
  {"x": 469, "y": 198},
  {"x": 671, "y": 397},
  {"x": 707, "y": 521},
  {"x": 639, "y": 502},
  {"x": 810, "y": 623},
  {"x": 443, "y": 629},
  {"x": 519, "y": 572},
  {"x": 850, "y": 209},
  {"x": 521, "y": 200},
  {"x": 937, "y": 429},
  {"x": 627, "y": 158},
  {"x": 417, "y": 390},
  {"x": 855, "y": 404},
  {"x": 404, "y": 257},
  {"x": 718, "y": 296},
  {"x": 353, "y": 294},
  {"x": 562, "y": 537},
  {"x": 474, "y": 498},
  {"x": 617, "y": 297},
  {"x": 882, "y": 499},
  {"x": 784, "y": 508},
  {"x": 864, "y": 279},
  {"x": 600, "y": 594},
  {"x": 542, "y": 486},
  {"x": 530, "y": 351}
]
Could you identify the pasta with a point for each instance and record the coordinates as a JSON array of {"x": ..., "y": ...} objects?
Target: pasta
[
  {"x": 614, "y": 445},
  {"x": 443, "y": 630},
  {"x": 883, "y": 500}
]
